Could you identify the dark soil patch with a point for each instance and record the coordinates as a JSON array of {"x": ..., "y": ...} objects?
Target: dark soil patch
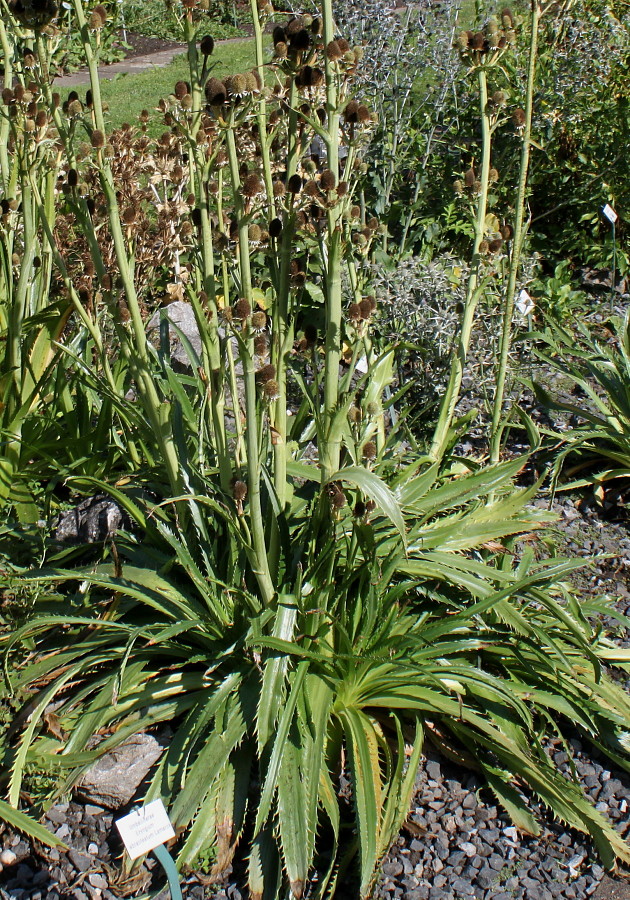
[{"x": 141, "y": 45}]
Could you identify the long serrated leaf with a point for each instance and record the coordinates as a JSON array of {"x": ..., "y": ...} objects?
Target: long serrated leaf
[
  {"x": 367, "y": 790},
  {"x": 270, "y": 783},
  {"x": 272, "y": 690},
  {"x": 29, "y": 826},
  {"x": 292, "y": 802}
]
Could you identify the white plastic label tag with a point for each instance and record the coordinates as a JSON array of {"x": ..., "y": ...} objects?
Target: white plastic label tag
[
  {"x": 362, "y": 365},
  {"x": 610, "y": 213},
  {"x": 524, "y": 304},
  {"x": 145, "y": 828}
]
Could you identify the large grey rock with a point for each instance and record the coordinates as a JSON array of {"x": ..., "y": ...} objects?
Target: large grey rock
[
  {"x": 181, "y": 315},
  {"x": 91, "y": 521},
  {"x": 113, "y": 780},
  {"x": 179, "y": 318}
]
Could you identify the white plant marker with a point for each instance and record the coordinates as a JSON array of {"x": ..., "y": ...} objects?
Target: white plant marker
[
  {"x": 145, "y": 828},
  {"x": 610, "y": 213},
  {"x": 524, "y": 304}
]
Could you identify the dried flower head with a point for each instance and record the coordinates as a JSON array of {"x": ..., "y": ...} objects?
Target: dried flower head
[
  {"x": 495, "y": 245},
  {"x": 239, "y": 491},
  {"x": 311, "y": 189},
  {"x": 252, "y": 185},
  {"x": 519, "y": 118},
  {"x": 35, "y": 14},
  {"x": 365, "y": 308},
  {"x": 259, "y": 320},
  {"x": 267, "y": 373},
  {"x": 337, "y": 498},
  {"x": 254, "y": 233},
  {"x": 216, "y": 93},
  {"x": 261, "y": 345},
  {"x": 333, "y": 51},
  {"x": 206, "y": 45},
  {"x": 354, "y": 313},
  {"x": 98, "y": 17},
  {"x": 275, "y": 228},
  {"x": 369, "y": 450},
  {"x": 294, "y": 25},
  {"x": 271, "y": 391},
  {"x": 462, "y": 41},
  {"x": 242, "y": 309},
  {"x": 300, "y": 41},
  {"x": 295, "y": 184},
  {"x": 328, "y": 180},
  {"x": 506, "y": 232}
]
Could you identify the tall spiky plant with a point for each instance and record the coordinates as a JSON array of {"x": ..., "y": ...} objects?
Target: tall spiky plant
[{"x": 298, "y": 597}]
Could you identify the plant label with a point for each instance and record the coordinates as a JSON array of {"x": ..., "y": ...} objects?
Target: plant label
[
  {"x": 362, "y": 365},
  {"x": 610, "y": 213},
  {"x": 524, "y": 304},
  {"x": 145, "y": 828}
]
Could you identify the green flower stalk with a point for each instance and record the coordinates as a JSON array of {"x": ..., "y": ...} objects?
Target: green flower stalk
[
  {"x": 158, "y": 411},
  {"x": 330, "y": 450},
  {"x": 481, "y": 51},
  {"x": 476, "y": 284},
  {"x": 496, "y": 428}
]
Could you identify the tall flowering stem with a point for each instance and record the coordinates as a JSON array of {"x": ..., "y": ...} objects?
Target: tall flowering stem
[
  {"x": 7, "y": 66},
  {"x": 475, "y": 284},
  {"x": 158, "y": 411},
  {"x": 496, "y": 428},
  {"x": 482, "y": 52},
  {"x": 260, "y": 559},
  {"x": 330, "y": 449}
]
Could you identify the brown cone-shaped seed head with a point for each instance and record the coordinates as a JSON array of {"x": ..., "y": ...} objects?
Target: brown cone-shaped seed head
[
  {"x": 242, "y": 309},
  {"x": 328, "y": 180}
]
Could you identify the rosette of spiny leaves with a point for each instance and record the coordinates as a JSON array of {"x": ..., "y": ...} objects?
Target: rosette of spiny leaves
[{"x": 375, "y": 645}]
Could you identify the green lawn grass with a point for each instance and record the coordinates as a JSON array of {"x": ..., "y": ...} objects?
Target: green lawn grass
[{"x": 127, "y": 95}]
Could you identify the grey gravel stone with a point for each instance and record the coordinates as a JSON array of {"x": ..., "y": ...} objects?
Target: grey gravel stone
[{"x": 81, "y": 861}]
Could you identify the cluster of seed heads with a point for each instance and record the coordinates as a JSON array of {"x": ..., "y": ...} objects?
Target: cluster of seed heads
[
  {"x": 29, "y": 117},
  {"x": 485, "y": 47},
  {"x": 34, "y": 14}
]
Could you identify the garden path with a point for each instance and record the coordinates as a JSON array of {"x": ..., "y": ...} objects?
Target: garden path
[{"x": 130, "y": 65}]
